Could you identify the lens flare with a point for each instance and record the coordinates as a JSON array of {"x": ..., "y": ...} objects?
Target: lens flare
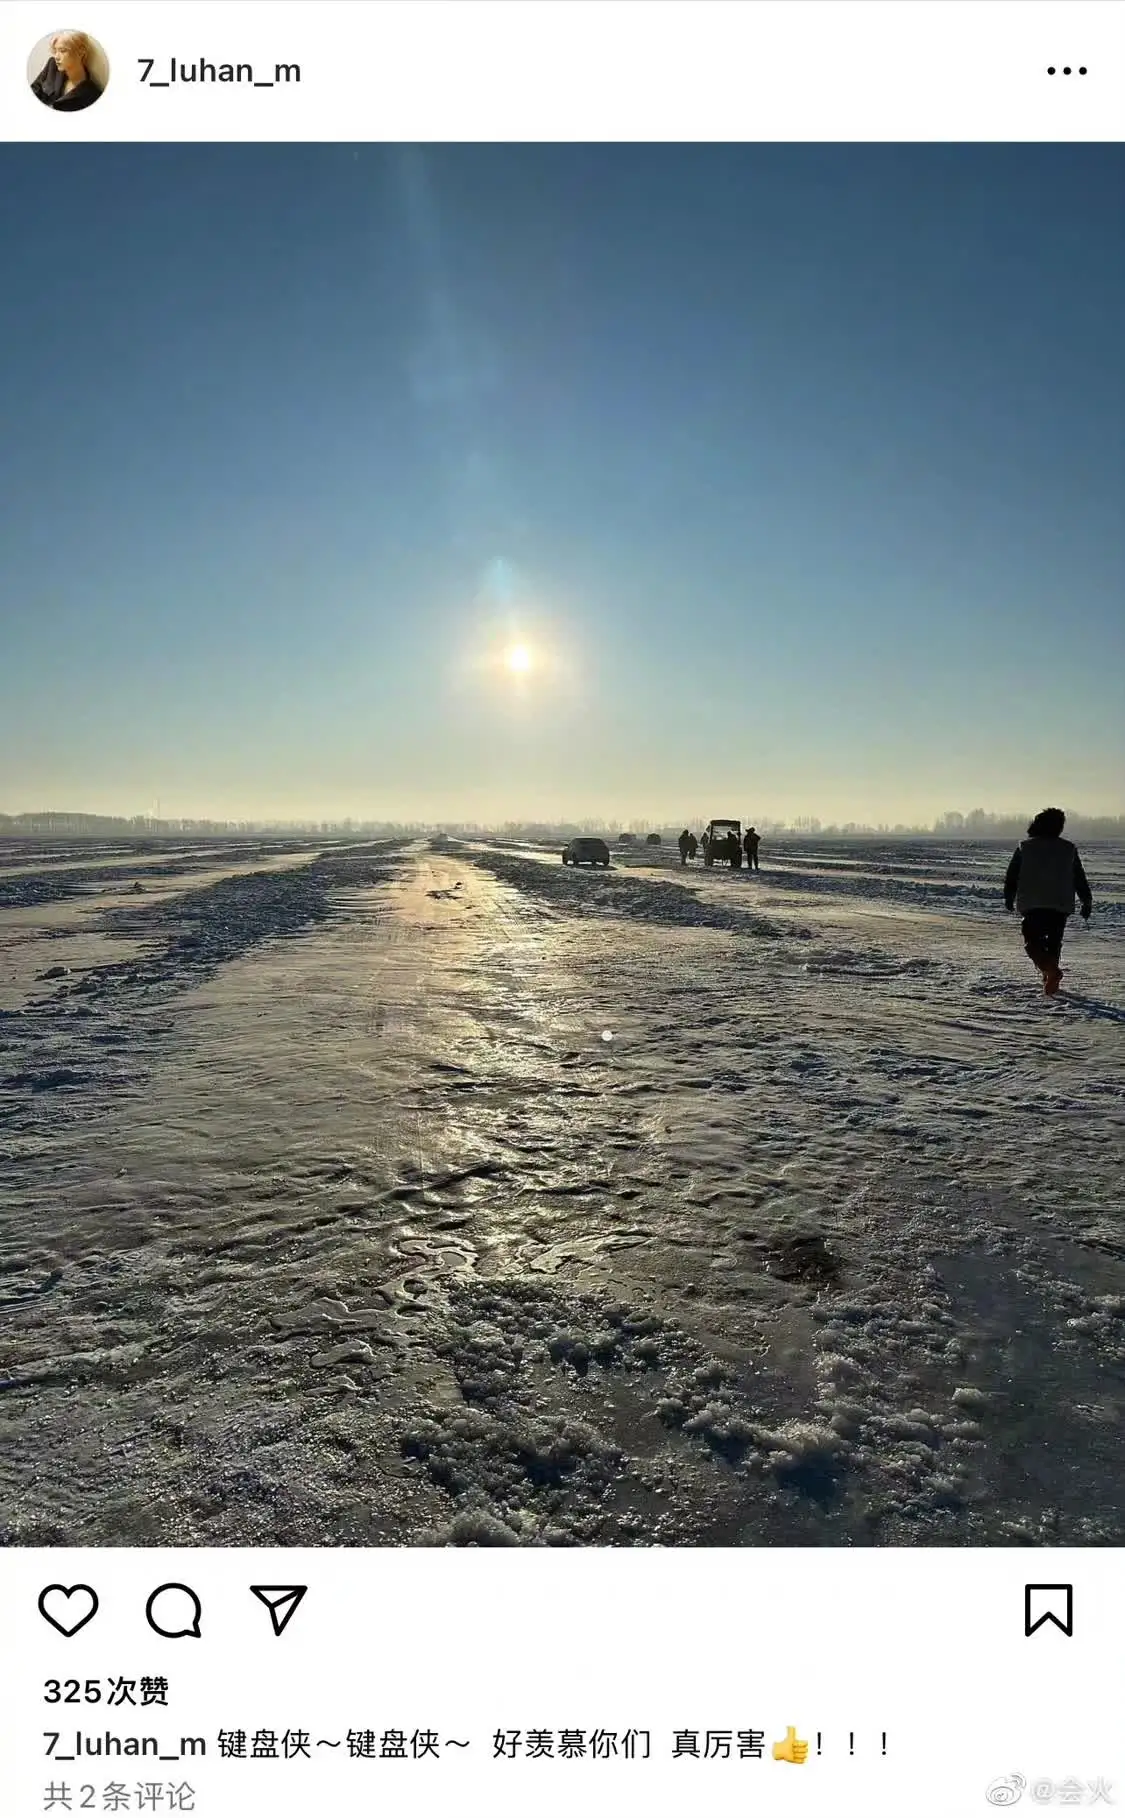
[{"x": 517, "y": 659}]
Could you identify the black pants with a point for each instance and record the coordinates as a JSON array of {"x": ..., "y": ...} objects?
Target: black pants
[
  {"x": 752, "y": 859},
  {"x": 1043, "y": 931}
]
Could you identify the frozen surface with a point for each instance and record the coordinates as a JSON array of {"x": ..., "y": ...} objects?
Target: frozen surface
[{"x": 445, "y": 1193}]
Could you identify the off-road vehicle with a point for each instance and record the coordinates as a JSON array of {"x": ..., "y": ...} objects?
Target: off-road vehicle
[{"x": 715, "y": 847}]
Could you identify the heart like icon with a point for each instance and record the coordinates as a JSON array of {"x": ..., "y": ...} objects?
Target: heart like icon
[{"x": 68, "y": 1609}]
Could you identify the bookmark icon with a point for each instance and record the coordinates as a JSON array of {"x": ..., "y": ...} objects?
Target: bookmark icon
[{"x": 1044, "y": 1603}]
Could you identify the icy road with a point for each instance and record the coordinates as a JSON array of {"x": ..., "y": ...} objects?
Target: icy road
[{"x": 440, "y": 1194}]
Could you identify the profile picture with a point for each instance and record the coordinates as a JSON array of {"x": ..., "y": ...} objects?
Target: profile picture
[{"x": 68, "y": 71}]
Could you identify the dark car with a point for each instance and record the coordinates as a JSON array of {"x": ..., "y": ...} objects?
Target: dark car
[{"x": 586, "y": 852}]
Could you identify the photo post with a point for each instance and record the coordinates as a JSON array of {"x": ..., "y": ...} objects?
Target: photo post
[{"x": 562, "y": 908}]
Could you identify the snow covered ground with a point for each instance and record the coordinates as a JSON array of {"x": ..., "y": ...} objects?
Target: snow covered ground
[{"x": 440, "y": 1193}]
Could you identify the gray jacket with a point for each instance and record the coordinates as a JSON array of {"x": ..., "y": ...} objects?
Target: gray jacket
[{"x": 1046, "y": 873}]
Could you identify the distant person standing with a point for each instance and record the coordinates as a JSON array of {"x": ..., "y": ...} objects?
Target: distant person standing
[
  {"x": 1043, "y": 880},
  {"x": 684, "y": 843},
  {"x": 692, "y": 846},
  {"x": 705, "y": 842},
  {"x": 751, "y": 842}
]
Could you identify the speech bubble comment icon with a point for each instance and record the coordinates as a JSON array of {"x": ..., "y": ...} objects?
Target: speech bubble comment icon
[
  {"x": 175, "y": 1611},
  {"x": 68, "y": 1608}
]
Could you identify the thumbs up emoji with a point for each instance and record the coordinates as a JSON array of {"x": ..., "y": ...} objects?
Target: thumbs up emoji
[{"x": 791, "y": 1749}]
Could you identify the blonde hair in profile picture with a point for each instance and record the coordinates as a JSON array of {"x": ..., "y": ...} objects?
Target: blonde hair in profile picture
[{"x": 68, "y": 71}]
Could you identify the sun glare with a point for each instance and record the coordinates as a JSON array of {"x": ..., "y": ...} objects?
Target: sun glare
[{"x": 518, "y": 659}]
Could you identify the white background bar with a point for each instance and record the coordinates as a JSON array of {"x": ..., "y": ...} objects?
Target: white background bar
[
  {"x": 926, "y": 1648},
  {"x": 491, "y": 70}
]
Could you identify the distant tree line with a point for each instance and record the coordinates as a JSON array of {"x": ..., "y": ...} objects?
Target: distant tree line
[
  {"x": 978, "y": 824},
  {"x": 58, "y": 825}
]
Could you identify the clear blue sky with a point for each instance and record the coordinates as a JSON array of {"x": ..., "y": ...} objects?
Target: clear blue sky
[{"x": 798, "y": 472}]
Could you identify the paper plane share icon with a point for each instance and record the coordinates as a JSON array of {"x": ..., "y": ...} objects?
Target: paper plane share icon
[{"x": 281, "y": 1600}]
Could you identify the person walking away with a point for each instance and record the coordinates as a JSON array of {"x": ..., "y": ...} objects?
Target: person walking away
[
  {"x": 751, "y": 842},
  {"x": 734, "y": 851},
  {"x": 692, "y": 846},
  {"x": 1043, "y": 880},
  {"x": 704, "y": 842},
  {"x": 684, "y": 843}
]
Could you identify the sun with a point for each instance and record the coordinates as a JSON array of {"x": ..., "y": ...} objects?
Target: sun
[{"x": 517, "y": 659}]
